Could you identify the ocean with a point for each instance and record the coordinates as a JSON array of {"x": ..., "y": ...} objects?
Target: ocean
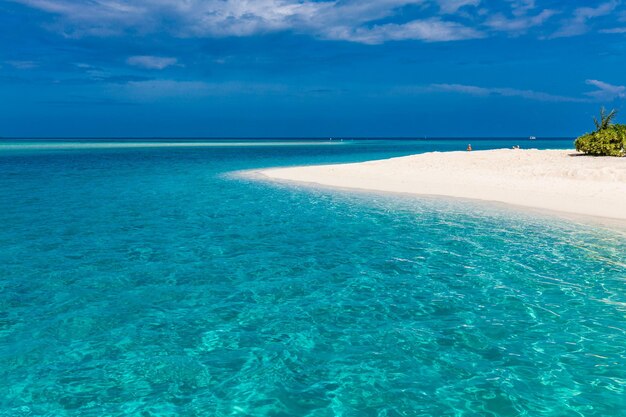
[{"x": 155, "y": 278}]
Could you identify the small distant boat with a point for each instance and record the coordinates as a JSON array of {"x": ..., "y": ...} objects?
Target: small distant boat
[{"x": 533, "y": 138}]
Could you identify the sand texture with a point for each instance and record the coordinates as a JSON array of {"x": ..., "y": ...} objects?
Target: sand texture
[{"x": 558, "y": 180}]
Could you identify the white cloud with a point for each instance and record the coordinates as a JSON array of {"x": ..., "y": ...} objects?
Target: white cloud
[
  {"x": 23, "y": 65},
  {"x": 606, "y": 91},
  {"x": 433, "y": 30},
  {"x": 522, "y": 7},
  {"x": 216, "y": 17},
  {"x": 578, "y": 23},
  {"x": 614, "y": 30},
  {"x": 452, "y": 6},
  {"x": 503, "y": 92},
  {"x": 349, "y": 20},
  {"x": 373, "y": 21},
  {"x": 519, "y": 23},
  {"x": 151, "y": 62},
  {"x": 167, "y": 89}
]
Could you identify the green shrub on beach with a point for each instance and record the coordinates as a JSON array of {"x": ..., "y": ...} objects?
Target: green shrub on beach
[{"x": 608, "y": 140}]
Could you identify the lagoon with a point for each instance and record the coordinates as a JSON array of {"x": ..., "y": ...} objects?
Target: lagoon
[{"x": 156, "y": 281}]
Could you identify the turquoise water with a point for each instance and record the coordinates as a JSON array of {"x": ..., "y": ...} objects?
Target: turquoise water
[{"x": 151, "y": 281}]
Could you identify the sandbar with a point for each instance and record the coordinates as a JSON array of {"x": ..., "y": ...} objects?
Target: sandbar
[{"x": 557, "y": 180}]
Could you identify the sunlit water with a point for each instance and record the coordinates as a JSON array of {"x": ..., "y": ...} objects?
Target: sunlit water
[{"x": 151, "y": 281}]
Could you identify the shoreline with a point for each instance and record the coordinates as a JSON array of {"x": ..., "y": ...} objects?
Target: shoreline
[{"x": 562, "y": 182}]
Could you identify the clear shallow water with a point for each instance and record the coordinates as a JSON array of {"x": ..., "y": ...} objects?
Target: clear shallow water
[{"x": 151, "y": 282}]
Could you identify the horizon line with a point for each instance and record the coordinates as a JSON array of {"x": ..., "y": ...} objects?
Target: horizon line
[{"x": 279, "y": 137}]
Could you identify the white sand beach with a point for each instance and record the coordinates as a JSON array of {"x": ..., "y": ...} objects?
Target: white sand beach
[{"x": 557, "y": 180}]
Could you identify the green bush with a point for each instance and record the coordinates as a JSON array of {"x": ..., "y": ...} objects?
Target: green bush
[{"x": 610, "y": 141}]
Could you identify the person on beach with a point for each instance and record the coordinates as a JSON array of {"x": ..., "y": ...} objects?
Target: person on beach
[{"x": 469, "y": 147}]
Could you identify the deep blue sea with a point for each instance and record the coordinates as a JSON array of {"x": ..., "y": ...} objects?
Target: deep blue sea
[{"x": 155, "y": 280}]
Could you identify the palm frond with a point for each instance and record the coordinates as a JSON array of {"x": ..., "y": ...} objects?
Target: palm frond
[{"x": 606, "y": 119}]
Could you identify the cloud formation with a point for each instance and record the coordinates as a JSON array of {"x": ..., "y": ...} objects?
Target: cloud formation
[
  {"x": 370, "y": 22},
  {"x": 22, "y": 65},
  {"x": 346, "y": 20},
  {"x": 520, "y": 22},
  {"x": 578, "y": 24},
  {"x": 504, "y": 92},
  {"x": 350, "y": 20},
  {"x": 431, "y": 30},
  {"x": 151, "y": 62},
  {"x": 605, "y": 92}
]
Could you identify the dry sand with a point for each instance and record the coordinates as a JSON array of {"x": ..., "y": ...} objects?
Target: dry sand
[{"x": 557, "y": 180}]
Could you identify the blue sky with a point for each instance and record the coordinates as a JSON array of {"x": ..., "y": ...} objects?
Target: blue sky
[{"x": 309, "y": 68}]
